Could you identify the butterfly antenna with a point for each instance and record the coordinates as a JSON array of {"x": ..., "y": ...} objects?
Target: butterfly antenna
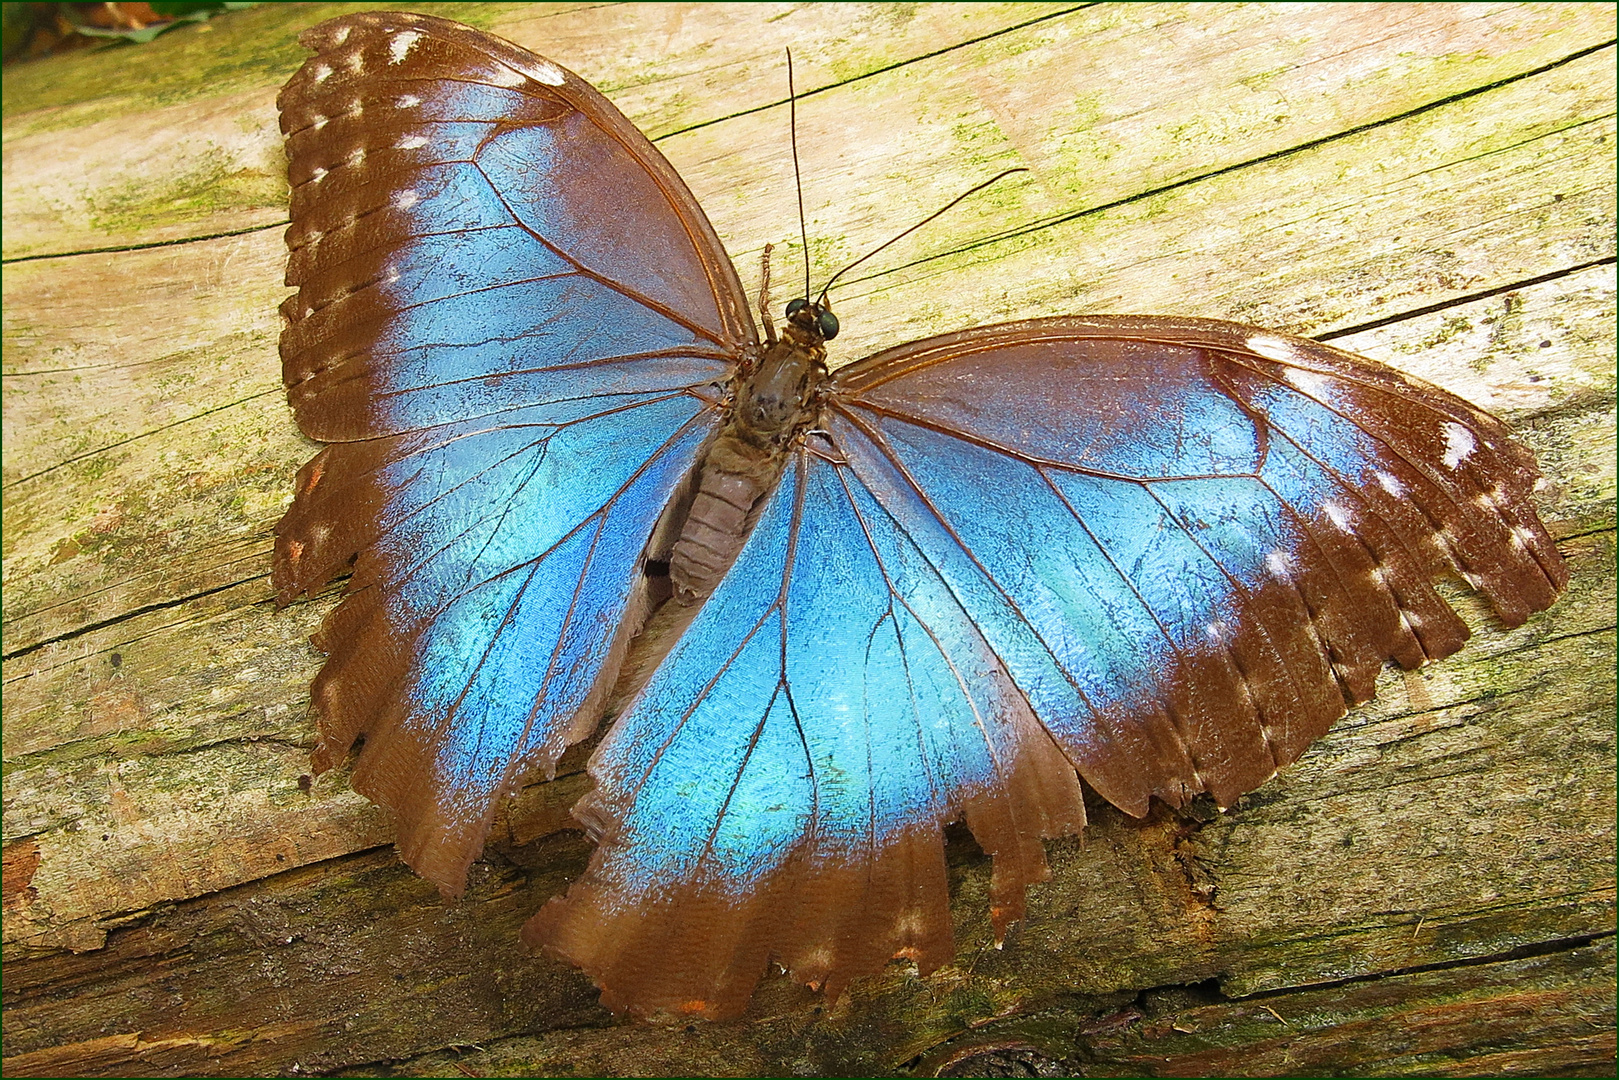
[
  {"x": 798, "y": 177},
  {"x": 959, "y": 198}
]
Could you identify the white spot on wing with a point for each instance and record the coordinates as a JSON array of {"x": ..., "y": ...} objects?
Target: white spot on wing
[
  {"x": 543, "y": 71},
  {"x": 1337, "y": 515},
  {"x": 1279, "y": 564},
  {"x": 317, "y": 176},
  {"x": 320, "y": 122},
  {"x": 1390, "y": 483},
  {"x": 400, "y": 46},
  {"x": 1311, "y": 382},
  {"x": 407, "y": 101},
  {"x": 320, "y": 73},
  {"x": 501, "y": 75},
  {"x": 404, "y": 200},
  {"x": 410, "y": 142},
  {"x": 1522, "y": 537},
  {"x": 1459, "y": 444},
  {"x": 1271, "y": 348},
  {"x": 355, "y": 62},
  {"x": 817, "y": 959},
  {"x": 340, "y": 35},
  {"x": 357, "y": 156}
]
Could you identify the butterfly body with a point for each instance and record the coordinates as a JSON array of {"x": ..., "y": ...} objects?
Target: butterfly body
[
  {"x": 946, "y": 582},
  {"x": 772, "y": 402}
]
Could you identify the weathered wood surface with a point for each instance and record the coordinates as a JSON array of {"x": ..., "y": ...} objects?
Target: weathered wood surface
[{"x": 1430, "y": 891}]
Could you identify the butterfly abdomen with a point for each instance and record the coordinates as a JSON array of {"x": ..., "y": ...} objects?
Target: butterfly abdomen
[
  {"x": 771, "y": 405},
  {"x": 734, "y": 478}
]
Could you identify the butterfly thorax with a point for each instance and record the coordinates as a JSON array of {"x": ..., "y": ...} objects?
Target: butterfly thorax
[
  {"x": 775, "y": 401},
  {"x": 771, "y": 405}
]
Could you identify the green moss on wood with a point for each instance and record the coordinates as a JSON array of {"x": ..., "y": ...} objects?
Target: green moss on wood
[{"x": 210, "y": 185}]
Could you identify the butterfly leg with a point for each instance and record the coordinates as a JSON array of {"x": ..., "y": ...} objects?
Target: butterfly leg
[{"x": 764, "y": 295}]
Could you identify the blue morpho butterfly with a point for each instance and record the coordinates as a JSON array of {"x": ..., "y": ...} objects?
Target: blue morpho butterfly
[{"x": 943, "y": 583}]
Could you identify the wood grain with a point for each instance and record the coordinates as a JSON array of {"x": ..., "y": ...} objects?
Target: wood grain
[{"x": 1429, "y": 891}]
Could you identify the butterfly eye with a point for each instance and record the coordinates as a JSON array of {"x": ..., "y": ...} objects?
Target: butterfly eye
[
  {"x": 795, "y": 306},
  {"x": 828, "y": 323}
]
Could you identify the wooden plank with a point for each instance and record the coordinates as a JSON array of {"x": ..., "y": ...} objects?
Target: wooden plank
[
  {"x": 173, "y": 158},
  {"x": 1450, "y": 1021},
  {"x": 70, "y": 700},
  {"x": 1430, "y": 185}
]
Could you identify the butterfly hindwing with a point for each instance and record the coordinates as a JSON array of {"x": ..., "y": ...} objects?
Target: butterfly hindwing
[
  {"x": 512, "y": 390},
  {"x": 780, "y": 788}
]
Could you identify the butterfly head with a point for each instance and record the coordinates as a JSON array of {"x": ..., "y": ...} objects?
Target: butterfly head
[
  {"x": 776, "y": 397},
  {"x": 814, "y": 319}
]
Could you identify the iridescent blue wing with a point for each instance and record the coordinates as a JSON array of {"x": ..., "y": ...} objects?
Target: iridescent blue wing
[
  {"x": 780, "y": 788},
  {"x": 1165, "y": 552},
  {"x": 510, "y": 321},
  {"x": 1193, "y": 543}
]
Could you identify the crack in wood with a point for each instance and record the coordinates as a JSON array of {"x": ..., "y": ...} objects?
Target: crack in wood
[
  {"x": 145, "y": 609},
  {"x": 1521, "y": 952},
  {"x": 122, "y": 248},
  {"x": 1465, "y": 298},
  {"x": 895, "y": 66}
]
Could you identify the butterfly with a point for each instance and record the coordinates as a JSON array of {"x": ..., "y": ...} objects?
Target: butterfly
[{"x": 946, "y": 582}]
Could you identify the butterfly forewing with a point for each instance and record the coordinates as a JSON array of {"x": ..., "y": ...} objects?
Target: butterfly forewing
[
  {"x": 1193, "y": 543},
  {"x": 510, "y": 321}
]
